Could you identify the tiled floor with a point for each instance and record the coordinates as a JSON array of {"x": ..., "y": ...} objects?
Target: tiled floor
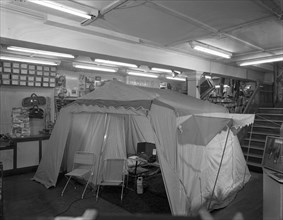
[{"x": 26, "y": 199}]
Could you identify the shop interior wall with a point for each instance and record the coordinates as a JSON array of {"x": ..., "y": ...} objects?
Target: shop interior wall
[
  {"x": 70, "y": 36},
  {"x": 12, "y": 96}
]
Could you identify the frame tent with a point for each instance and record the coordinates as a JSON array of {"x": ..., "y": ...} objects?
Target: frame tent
[{"x": 111, "y": 120}]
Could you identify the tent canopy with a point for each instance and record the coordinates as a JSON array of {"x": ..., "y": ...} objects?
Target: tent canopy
[{"x": 111, "y": 120}]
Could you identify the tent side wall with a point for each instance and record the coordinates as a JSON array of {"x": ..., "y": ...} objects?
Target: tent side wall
[
  {"x": 49, "y": 167},
  {"x": 163, "y": 121}
]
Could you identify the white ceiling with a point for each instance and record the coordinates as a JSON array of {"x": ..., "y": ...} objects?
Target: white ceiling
[{"x": 246, "y": 28}]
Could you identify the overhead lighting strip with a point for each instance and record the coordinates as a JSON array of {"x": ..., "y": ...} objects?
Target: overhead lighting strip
[
  {"x": 115, "y": 63},
  {"x": 142, "y": 74},
  {"x": 261, "y": 61},
  {"x": 41, "y": 52},
  {"x": 212, "y": 51},
  {"x": 161, "y": 70},
  {"x": 29, "y": 60},
  {"x": 176, "y": 78},
  {"x": 62, "y": 8},
  {"x": 92, "y": 67}
]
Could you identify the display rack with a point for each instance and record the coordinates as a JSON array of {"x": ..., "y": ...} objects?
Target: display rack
[{"x": 23, "y": 74}]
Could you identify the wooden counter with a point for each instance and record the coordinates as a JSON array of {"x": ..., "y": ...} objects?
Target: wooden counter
[{"x": 22, "y": 154}]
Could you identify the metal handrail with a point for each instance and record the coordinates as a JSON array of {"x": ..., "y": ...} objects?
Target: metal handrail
[
  {"x": 269, "y": 120},
  {"x": 251, "y": 99}
]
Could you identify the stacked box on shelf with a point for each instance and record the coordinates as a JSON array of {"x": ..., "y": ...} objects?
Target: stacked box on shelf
[
  {"x": 6, "y": 74},
  {"x": 20, "y": 122},
  {"x": 23, "y": 74}
]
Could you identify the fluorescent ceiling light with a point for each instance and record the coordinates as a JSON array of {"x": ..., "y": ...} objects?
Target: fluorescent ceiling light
[
  {"x": 92, "y": 67},
  {"x": 211, "y": 50},
  {"x": 161, "y": 70},
  {"x": 29, "y": 60},
  {"x": 207, "y": 76},
  {"x": 176, "y": 78},
  {"x": 217, "y": 86},
  {"x": 142, "y": 74},
  {"x": 115, "y": 63},
  {"x": 61, "y": 7},
  {"x": 260, "y": 61},
  {"x": 41, "y": 52}
]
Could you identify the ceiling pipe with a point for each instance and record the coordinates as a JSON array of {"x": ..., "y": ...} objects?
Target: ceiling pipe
[{"x": 104, "y": 11}]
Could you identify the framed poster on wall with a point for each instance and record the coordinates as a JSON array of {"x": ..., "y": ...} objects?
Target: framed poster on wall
[{"x": 273, "y": 154}]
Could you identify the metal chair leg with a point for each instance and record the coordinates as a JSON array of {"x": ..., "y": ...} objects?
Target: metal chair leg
[
  {"x": 97, "y": 191},
  {"x": 86, "y": 187},
  {"x": 66, "y": 185}
]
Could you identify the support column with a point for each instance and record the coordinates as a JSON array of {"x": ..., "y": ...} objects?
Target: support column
[{"x": 193, "y": 83}]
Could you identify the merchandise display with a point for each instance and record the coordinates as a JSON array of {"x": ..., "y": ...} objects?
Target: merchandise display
[
  {"x": 20, "y": 122},
  {"x": 23, "y": 74}
]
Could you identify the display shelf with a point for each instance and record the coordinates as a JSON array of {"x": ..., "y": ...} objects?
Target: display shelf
[{"x": 27, "y": 75}]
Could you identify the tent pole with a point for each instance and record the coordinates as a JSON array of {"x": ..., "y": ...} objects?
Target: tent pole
[
  {"x": 106, "y": 125},
  {"x": 219, "y": 166}
]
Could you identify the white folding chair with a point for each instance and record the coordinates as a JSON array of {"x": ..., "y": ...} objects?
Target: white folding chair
[
  {"x": 83, "y": 165},
  {"x": 114, "y": 173}
]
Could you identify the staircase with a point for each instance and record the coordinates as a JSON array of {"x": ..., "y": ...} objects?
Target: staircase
[{"x": 267, "y": 123}]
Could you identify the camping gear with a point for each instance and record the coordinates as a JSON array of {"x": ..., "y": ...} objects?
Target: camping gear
[
  {"x": 33, "y": 100},
  {"x": 36, "y": 112},
  {"x": 111, "y": 120},
  {"x": 139, "y": 185}
]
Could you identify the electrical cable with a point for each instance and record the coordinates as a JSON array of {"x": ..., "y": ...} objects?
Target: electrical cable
[{"x": 69, "y": 206}]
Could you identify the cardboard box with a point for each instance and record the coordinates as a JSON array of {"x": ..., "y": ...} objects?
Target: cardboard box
[
  {"x": 23, "y": 83},
  {"x": 15, "y": 76},
  {"x": 16, "y": 65},
  {"x": 38, "y": 79},
  {"x": 24, "y": 71},
  {"x": 38, "y": 84},
  {"x": 31, "y": 67},
  {"x": 24, "y": 66},
  {"x": 23, "y": 77},
  {"x": 15, "y": 82},
  {"x": 6, "y": 64},
  {"x": 39, "y": 68},
  {"x": 6, "y": 82},
  {"x": 46, "y": 73},
  {"x": 30, "y": 83},
  {"x": 7, "y": 70},
  {"x": 31, "y": 72},
  {"x": 16, "y": 71},
  {"x": 6, "y": 76}
]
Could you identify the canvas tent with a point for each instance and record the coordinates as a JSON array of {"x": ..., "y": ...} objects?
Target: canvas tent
[{"x": 200, "y": 166}]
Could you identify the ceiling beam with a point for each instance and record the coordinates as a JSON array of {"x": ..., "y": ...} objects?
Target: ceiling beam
[
  {"x": 104, "y": 11},
  {"x": 272, "y": 7},
  {"x": 206, "y": 27}
]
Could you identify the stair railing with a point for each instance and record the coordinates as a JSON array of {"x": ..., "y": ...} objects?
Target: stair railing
[
  {"x": 251, "y": 133},
  {"x": 251, "y": 107},
  {"x": 266, "y": 119},
  {"x": 252, "y": 104}
]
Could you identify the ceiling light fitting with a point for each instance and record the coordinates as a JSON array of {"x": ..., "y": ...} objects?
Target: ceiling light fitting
[
  {"x": 41, "y": 52},
  {"x": 176, "y": 78},
  {"x": 93, "y": 67},
  {"x": 62, "y": 8},
  {"x": 207, "y": 76},
  {"x": 161, "y": 70},
  {"x": 29, "y": 60},
  {"x": 115, "y": 63},
  {"x": 142, "y": 74},
  {"x": 262, "y": 60},
  {"x": 211, "y": 50}
]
